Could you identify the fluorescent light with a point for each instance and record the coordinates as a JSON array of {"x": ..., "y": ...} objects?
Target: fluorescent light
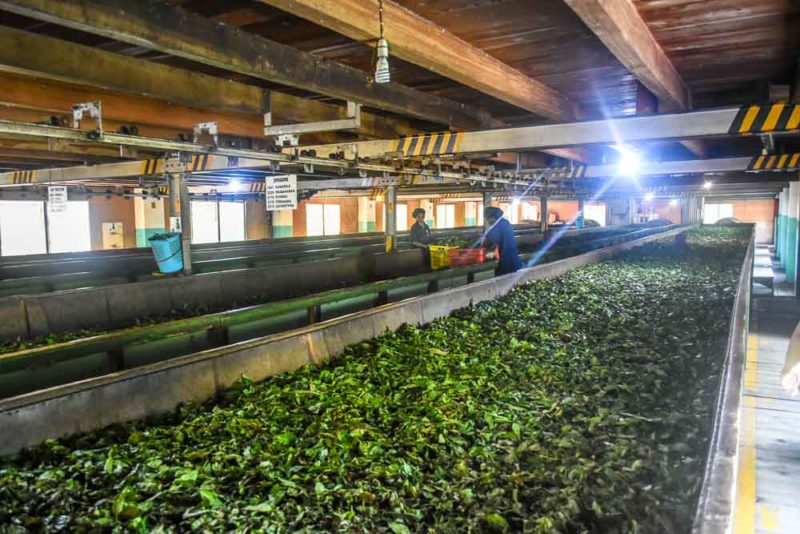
[
  {"x": 648, "y": 196},
  {"x": 235, "y": 185},
  {"x": 708, "y": 184},
  {"x": 629, "y": 162},
  {"x": 673, "y": 202}
]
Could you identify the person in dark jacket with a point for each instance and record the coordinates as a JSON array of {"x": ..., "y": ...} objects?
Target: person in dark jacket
[
  {"x": 420, "y": 231},
  {"x": 420, "y": 236},
  {"x": 501, "y": 233}
]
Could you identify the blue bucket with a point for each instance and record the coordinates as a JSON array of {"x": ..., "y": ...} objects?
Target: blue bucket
[{"x": 167, "y": 250}]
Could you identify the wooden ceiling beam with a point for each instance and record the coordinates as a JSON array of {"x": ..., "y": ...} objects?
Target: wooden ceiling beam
[
  {"x": 53, "y": 59},
  {"x": 170, "y": 29},
  {"x": 622, "y": 30},
  {"x": 424, "y": 43}
]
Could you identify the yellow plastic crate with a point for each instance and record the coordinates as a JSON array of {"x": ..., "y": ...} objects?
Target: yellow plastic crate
[{"x": 439, "y": 257}]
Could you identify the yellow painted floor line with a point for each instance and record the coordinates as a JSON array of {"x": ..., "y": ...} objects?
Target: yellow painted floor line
[
  {"x": 768, "y": 518},
  {"x": 744, "y": 519},
  {"x": 752, "y": 363}
]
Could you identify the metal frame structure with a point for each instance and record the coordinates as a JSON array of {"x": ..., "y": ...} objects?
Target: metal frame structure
[{"x": 739, "y": 121}]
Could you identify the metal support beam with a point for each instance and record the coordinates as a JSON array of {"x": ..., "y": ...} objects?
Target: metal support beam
[
  {"x": 742, "y": 121},
  {"x": 543, "y": 213},
  {"x": 390, "y": 224},
  {"x": 352, "y": 121},
  {"x": 580, "y": 221},
  {"x": 174, "y": 189},
  {"x": 186, "y": 224}
]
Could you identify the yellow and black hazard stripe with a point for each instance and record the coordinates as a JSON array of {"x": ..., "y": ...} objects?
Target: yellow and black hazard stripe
[
  {"x": 199, "y": 163},
  {"x": 163, "y": 190},
  {"x": 775, "y": 162},
  {"x": 23, "y": 177},
  {"x": 765, "y": 119},
  {"x": 577, "y": 171},
  {"x": 376, "y": 194},
  {"x": 429, "y": 144},
  {"x": 258, "y": 187},
  {"x": 152, "y": 166}
]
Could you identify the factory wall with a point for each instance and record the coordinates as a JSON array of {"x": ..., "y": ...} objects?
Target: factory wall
[
  {"x": 256, "y": 219},
  {"x": 761, "y": 212},
  {"x": 665, "y": 209},
  {"x": 348, "y": 220},
  {"x": 563, "y": 210},
  {"x": 111, "y": 209}
]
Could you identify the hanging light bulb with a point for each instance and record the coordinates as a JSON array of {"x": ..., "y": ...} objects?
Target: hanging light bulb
[
  {"x": 381, "y": 52},
  {"x": 382, "y": 62}
]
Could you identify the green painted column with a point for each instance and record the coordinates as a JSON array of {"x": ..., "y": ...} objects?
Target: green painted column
[
  {"x": 427, "y": 205},
  {"x": 790, "y": 252},
  {"x": 470, "y": 214},
  {"x": 282, "y": 223},
  {"x": 366, "y": 215},
  {"x": 148, "y": 218}
]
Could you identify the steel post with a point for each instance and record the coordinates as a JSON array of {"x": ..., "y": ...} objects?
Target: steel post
[
  {"x": 185, "y": 210},
  {"x": 390, "y": 228},
  {"x": 543, "y": 214}
]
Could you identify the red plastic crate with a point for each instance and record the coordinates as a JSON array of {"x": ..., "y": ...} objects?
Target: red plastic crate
[{"x": 461, "y": 257}]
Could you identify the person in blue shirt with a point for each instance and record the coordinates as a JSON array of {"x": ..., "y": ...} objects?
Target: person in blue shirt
[{"x": 501, "y": 233}]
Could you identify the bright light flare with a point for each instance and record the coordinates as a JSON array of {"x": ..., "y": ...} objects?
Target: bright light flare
[
  {"x": 708, "y": 185},
  {"x": 673, "y": 202},
  {"x": 235, "y": 186},
  {"x": 629, "y": 162},
  {"x": 648, "y": 197}
]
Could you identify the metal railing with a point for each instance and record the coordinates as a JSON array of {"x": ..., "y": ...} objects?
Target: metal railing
[{"x": 717, "y": 498}]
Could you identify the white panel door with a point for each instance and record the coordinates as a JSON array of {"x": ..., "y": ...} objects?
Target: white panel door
[
  {"x": 22, "y": 229},
  {"x": 445, "y": 216},
  {"x": 595, "y": 212},
  {"x": 315, "y": 224},
  {"x": 231, "y": 221},
  {"x": 205, "y": 224},
  {"x": 402, "y": 217},
  {"x": 69, "y": 230},
  {"x": 332, "y": 219}
]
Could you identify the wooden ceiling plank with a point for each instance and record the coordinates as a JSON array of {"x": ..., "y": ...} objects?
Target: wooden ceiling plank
[
  {"x": 157, "y": 25},
  {"x": 622, "y": 30},
  {"x": 618, "y": 25},
  {"x": 53, "y": 59},
  {"x": 424, "y": 43}
]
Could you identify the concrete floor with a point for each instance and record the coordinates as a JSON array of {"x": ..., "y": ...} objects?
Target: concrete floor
[{"x": 768, "y": 493}]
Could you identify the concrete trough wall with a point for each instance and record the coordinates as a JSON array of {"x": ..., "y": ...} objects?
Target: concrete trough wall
[
  {"x": 116, "y": 306},
  {"x": 29, "y": 419}
]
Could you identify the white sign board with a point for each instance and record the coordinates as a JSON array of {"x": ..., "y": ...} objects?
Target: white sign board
[
  {"x": 175, "y": 224},
  {"x": 57, "y": 198},
  {"x": 281, "y": 192}
]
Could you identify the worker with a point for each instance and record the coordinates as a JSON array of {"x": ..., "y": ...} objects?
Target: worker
[
  {"x": 420, "y": 236},
  {"x": 420, "y": 231},
  {"x": 501, "y": 233}
]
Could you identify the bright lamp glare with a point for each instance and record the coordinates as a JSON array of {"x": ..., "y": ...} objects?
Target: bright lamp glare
[
  {"x": 708, "y": 185},
  {"x": 648, "y": 197},
  {"x": 235, "y": 186},
  {"x": 673, "y": 202},
  {"x": 629, "y": 162}
]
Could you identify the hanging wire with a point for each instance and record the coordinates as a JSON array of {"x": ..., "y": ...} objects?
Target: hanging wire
[{"x": 380, "y": 15}]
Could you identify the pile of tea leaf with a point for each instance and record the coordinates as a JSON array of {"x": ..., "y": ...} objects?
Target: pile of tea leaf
[{"x": 578, "y": 404}]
